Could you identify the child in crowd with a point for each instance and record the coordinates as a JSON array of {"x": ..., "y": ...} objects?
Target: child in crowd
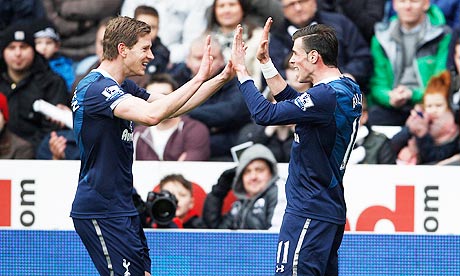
[
  {"x": 47, "y": 43},
  {"x": 182, "y": 189},
  {"x": 431, "y": 134}
]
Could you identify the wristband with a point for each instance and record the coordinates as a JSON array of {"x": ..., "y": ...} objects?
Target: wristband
[{"x": 268, "y": 69}]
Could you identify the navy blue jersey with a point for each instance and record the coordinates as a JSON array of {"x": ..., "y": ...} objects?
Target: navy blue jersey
[
  {"x": 105, "y": 184},
  {"x": 327, "y": 120}
]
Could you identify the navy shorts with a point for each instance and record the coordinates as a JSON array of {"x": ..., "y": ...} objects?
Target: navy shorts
[
  {"x": 117, "y": 246},
  {"x": 308, "y": 247}
]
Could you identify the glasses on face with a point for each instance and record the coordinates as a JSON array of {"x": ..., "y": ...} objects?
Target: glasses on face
[{"x": 295, "y": 3}]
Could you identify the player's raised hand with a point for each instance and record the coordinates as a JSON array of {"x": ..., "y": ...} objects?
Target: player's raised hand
[
  {"x": 238, "y": 50},
  {"x": 205, "y": 71},
  {"x": 228, "y": 72},
  {"x": 262, "y": 52}
]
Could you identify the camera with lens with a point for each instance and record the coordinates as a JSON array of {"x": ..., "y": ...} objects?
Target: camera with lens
[{"x": 160, "y": 207}]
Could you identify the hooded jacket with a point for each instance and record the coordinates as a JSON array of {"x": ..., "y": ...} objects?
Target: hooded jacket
[{"x": 246, "y": 213}]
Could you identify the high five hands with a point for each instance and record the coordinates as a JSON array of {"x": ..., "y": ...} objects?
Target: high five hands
[
  {"x": 205, "y": 71},
  {"x": 239, "y": 49}
]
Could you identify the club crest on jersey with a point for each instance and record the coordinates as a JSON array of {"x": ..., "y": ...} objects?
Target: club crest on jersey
[
  {"x": 111, "y": 92},
  {"x": 304, "y": 101}
]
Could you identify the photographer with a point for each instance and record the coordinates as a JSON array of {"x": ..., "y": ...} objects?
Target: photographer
[{"x": 172, "y": 207}]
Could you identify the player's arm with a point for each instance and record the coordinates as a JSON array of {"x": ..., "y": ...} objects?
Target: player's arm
[
  {"x": 151, "y": 113},
  {"x": 275, "y": 82},
  {"x": 208, "y": 89}
]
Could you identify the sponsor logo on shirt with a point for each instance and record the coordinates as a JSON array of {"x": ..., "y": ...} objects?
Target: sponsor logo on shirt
[
  {"x": 304, "y": 101},
  {"x": 127, "y": 135},
  {"x": 111, "y": 92}
]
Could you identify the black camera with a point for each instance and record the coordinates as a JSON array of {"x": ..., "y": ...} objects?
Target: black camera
[{"x": 161, "y": 206}]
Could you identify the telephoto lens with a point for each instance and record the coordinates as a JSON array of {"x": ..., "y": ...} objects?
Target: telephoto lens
[{"x": 161, "y": 206}]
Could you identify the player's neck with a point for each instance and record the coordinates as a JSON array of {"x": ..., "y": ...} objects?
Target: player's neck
[
  {"x": 113, "y": 69},
  {"x": 326, "y": 73}
]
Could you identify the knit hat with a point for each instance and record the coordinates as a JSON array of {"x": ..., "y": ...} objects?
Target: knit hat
[
  {"x": 44, "y": 28},
  {"x": 4, "y": 107},
  {"x": 17, "y": 32}
]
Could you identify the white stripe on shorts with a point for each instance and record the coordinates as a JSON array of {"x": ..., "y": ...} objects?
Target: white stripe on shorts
[
  {"x": 104, "y": 246},
  {"x": 295, "y": 262}
]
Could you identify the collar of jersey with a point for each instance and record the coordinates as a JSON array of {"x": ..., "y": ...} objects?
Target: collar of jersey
[{"x": 104, "y": 73}]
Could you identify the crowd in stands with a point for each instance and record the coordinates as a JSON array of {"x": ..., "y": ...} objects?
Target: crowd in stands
[{"x": 405, "y": 55}]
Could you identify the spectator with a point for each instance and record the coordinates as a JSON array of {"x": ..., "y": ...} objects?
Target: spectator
[
  {"x": 20, "y": 11},
  {"x": 182, "y": 189},
  {"x": 24, "y": 78},
  {"x": 225, "y": 112},
  {"x": 150, "y": 16},
  {"x": 225, "y": 15},
  {"x": 254, "y": 183},
  {"x": 371, "y": 147},
  {"x": 92, "y": 61},
  {"x": 431, "y": 134},
  {"x": 406, "y": 53},
  {"x": 11, "y": 145},
  {"x": 176, "y": 139},
  {"x": 373, "y": 12},
  {"x": 185, "y": 22},
  {"x": 77, "y": 23},
  {"x": 354, "y": 58},
  {"x": 48, "y": 43}
]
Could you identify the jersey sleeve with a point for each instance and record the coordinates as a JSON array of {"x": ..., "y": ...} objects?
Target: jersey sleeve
[
  {"x": 132, "y": 88},
  {"x": 317, "y": 105},
  {"x": 102, "y": 98}
]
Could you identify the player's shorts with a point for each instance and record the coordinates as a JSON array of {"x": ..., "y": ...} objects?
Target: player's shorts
[
  {"x": 117, "y": 246},
  {"x": 308, "y": 247}
]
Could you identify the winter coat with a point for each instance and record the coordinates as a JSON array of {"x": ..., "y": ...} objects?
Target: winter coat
[
  {"x": 42, "y": 83},
  {"x": 430, "y": 57}
]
